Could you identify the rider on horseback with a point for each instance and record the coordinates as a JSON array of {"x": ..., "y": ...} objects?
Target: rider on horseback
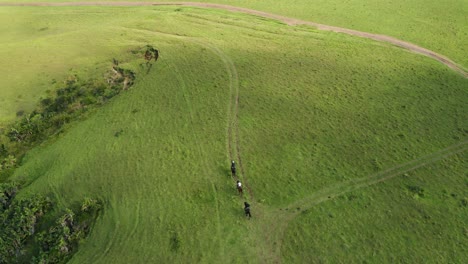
[
  {"x": 247, "y": 209},
  {"x": 239, "y": 187},
  {"x": 233, "y": 168}
]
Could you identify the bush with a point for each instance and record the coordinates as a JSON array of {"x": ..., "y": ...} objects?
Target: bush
[
  {"x": 416, "y": 190},
  {"x": 69, "y": 101},
  {"x": 18, "y": 220},
  {"x": 19, "y": 228},
  {"x": 61, "y": 240}
]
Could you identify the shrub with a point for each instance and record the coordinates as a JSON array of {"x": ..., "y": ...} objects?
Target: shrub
[
  {"x": 18, "y": 220},
  {"x": 62, "y": 239},
  {"x": 416, "y": 190}
]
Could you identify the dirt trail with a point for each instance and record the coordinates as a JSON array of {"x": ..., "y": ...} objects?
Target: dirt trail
[
  {"x": 290, "y": 21},
  {"x": 233, "y": 114},
  {"x": 285, "y": 215}
]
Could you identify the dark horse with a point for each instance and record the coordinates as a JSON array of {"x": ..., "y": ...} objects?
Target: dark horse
[
  {"x": 233, "y": 168},
  {"x": 247, "y": 209}
]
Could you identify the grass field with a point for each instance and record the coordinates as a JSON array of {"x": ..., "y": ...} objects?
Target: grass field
[
  {"x": 420, "y": 217},
  {"x": 437, "y": 25},
  {"x": 36, "y": 55},
  {"x": 315, "y": 110}
]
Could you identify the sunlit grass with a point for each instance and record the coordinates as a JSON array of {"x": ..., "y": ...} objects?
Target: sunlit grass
[{"x": 315, "y": 109}]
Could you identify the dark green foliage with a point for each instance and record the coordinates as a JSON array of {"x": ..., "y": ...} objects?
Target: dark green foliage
[
  {"x": 21, "y": 237},
  {"x": 416, "y": 190},
  {"x": 18, "y": 220},
  {"x": 151, "y": 53},
  {"x": 7, "y": 193},
  {"x": 28, "y": 129},
  {"x": 61, "y": 240},
  {"x": 7, "y": 163},
  {"x": 3, "y": 151}
]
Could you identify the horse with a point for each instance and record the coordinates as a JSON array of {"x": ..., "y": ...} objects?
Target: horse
[
  {"x": 247, "y": 209},
  {"x": 233, "y": 168},
  {"x": 239, "y": 187}
]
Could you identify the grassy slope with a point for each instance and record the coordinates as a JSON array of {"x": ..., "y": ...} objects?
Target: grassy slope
[
  {"x": 436, "y": 25},
  {"x": 389, "y": 223},
  {"x": 441, "y": 26},
  {"x": 161, "y": 176},
  {"x": 315, "y": 108},
  {"x": 36, "y": 50}
]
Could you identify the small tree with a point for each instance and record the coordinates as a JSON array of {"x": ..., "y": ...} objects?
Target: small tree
[{"x": 151, "y": 53}]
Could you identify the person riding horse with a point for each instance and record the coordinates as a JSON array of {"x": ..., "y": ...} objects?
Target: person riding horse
[
  {"x": 239, "y": 187},
  {"x": 233, "y": 168},
  {"x": 247, "y": 209}
]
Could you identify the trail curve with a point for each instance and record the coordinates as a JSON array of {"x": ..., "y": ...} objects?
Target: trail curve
[
  {"x": 287, "y": 20},
  {"x": 285, "y": 215}
]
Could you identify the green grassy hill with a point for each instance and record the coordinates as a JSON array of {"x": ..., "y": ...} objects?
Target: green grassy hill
[
  {"x": 419, "y": 217},
  {"x": 315, "y": 110},
  {"x": 440, "y": 26},
  {"x": 40, "y": 51}
]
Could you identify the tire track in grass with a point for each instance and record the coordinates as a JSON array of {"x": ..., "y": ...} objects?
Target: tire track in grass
[
  {"x": 386, "y": 174},
  {"x": 232, "y": 128},
  {"x": 234, "y": 138},
  {"x": 287, "y": 20},
  {"x": 218, "y": 218},
  {"x": 53, "y": 188},
  {"x": 233, "y": 145},
  {"x": 291, "y": 211},
  {"x": 233, "y": 142},
  {"x": 116, "y": 226},
  {"x": 123, "y": 235},
  {"x": 233, "y": 92},
  {"x": 110, "y": 242},
  {"x": 136, "y": 211},
  {"x": 233, "y": 116},
  {"x": 200, "y": 149},
  {"x": 137, "y": 221}
]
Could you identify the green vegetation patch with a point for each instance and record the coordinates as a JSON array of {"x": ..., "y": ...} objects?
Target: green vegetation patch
[{"x": 25, "y": 237}]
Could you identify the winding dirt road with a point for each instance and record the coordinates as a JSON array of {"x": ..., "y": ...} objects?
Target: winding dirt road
[{"x": 290, "y": 21}]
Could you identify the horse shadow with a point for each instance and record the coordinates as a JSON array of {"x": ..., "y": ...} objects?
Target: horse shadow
[{"x": 149, "y": 66}]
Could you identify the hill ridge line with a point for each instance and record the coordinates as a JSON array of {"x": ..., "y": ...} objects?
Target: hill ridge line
[{"x": 287, "y": 20}]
